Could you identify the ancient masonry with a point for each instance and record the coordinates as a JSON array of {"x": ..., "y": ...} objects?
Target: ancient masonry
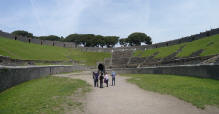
[
  {"x": 13, "y": 75},
  {"x": 93, "y": 49},
  {"x": 38, "y": 41}
]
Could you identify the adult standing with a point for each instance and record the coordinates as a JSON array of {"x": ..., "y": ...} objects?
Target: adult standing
[
  {"x": 113, "y": 78},
  {"x": 95, "y": 77},
  {"x": 101, "y": 80},
  {"x": 106, "y": 78}
]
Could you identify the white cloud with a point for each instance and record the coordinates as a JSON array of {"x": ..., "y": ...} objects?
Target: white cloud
[
  {"x": 182, "y": 18},
  {"x": 62, "y": 17},
  {"x": 57, "y": 17},
  {"x": 162, "y": 20},
  {"x": 113, "y": 18}
]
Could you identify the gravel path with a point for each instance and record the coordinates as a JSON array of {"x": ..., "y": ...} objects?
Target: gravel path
[{"x": 126, "y": 98}]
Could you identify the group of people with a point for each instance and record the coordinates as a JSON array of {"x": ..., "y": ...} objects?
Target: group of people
[{"x": 103, "y": 78}]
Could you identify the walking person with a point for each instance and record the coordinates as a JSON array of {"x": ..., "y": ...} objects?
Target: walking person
[
  {"x": 113, "y": 78},
  {"x": 106, "y": 79},
  {"x": 94, "y": 78},
  {"x": 101, "y": 80}
]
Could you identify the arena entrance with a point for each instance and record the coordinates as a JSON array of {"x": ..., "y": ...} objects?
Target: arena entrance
[{"x": 101, "y": 68}]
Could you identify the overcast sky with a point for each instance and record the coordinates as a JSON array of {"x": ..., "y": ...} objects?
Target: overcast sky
[{"x": 161, "y": 19}]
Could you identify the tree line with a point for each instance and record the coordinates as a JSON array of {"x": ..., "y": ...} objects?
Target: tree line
[{"x": 92, "y": 40}]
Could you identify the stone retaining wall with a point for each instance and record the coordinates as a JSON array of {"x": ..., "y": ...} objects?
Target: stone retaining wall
[
  {"x": 7, "y": 61},
  {"x": 122, "y": 54},
  {"x": 38, "y": 41},
  {"x": 185, "y": 61},
  {"x": 107, "y": 62},
  {"x": 202, "y": 71},
  {"x": 145, "y": 62},
  {"x": 95, "y": 49},
  {"x": 11, "y": 76}
]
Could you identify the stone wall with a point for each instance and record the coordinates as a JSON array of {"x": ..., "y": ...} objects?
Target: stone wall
[
  {"x": 7, "y": 61},
  {"x": 95, "y": 49},
  {"x": 119, "y": 62},
  {"x": 145, "y": 62},
  {"x": 184, "y": 61},
  {"x": 11, "y": 76},
  {"x": 122, "y": 54},
  {"x": 107, "y": 62},
  {"x": 38, "y": 41},
  {"x": 202, "y": 71},
  {"x": 137, "y": 60}
]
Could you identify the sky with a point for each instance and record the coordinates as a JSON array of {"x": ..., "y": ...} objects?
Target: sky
[{"x": 163, "y": 20}]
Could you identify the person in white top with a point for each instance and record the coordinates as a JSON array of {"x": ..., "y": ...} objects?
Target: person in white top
[{"x": 106, "y": 79}]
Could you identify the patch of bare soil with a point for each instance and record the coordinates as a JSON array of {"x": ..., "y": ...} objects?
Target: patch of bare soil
[{"x": 76, "y": 102}]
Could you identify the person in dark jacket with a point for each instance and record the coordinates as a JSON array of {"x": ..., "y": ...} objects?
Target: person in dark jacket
[
  {"x": 95, "y": 78},
  {"x": 101, "y": 80}
]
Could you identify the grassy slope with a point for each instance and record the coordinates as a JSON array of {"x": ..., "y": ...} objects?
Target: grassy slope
[
  {"x": 189, "y": 48},
  {"x": 199, "y": 92},
  {"x": 163, "y": 51},
  {"x": 90, "y": 58},
  {"x": 26, "y": 51},
  {"x": 44, "y": 95},
  {"x": 202, "y": 44}
]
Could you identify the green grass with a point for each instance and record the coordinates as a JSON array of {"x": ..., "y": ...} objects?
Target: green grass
[
  {"x": 162, "y": 52},
  {"x": 46, "y": 95},
  {"x": 42, "y": 63},
  {"x": 90, "y": 58},
  {"x": 76, "y": 71},
  {"x": 189, "y": 48},
  {"x": 200, "y": 92},
  {"x": 26, "y": 51},
  {"x": 202, "y": 44}
]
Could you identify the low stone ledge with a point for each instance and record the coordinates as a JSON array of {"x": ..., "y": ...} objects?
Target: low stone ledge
[
  {"x": 13, "y": 75},
  {"x": 202, "y": 71}
]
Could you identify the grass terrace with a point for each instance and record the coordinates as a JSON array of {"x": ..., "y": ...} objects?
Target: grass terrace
[
  {"x": 26, "y": 51},
  {"x": 209, "y": 45}
]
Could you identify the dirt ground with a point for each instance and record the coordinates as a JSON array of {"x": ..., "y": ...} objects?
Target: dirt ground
[{"x": 126, "y": 98}]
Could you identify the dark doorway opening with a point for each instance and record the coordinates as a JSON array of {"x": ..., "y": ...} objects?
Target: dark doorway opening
[{"x": 101, "y": 68}]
